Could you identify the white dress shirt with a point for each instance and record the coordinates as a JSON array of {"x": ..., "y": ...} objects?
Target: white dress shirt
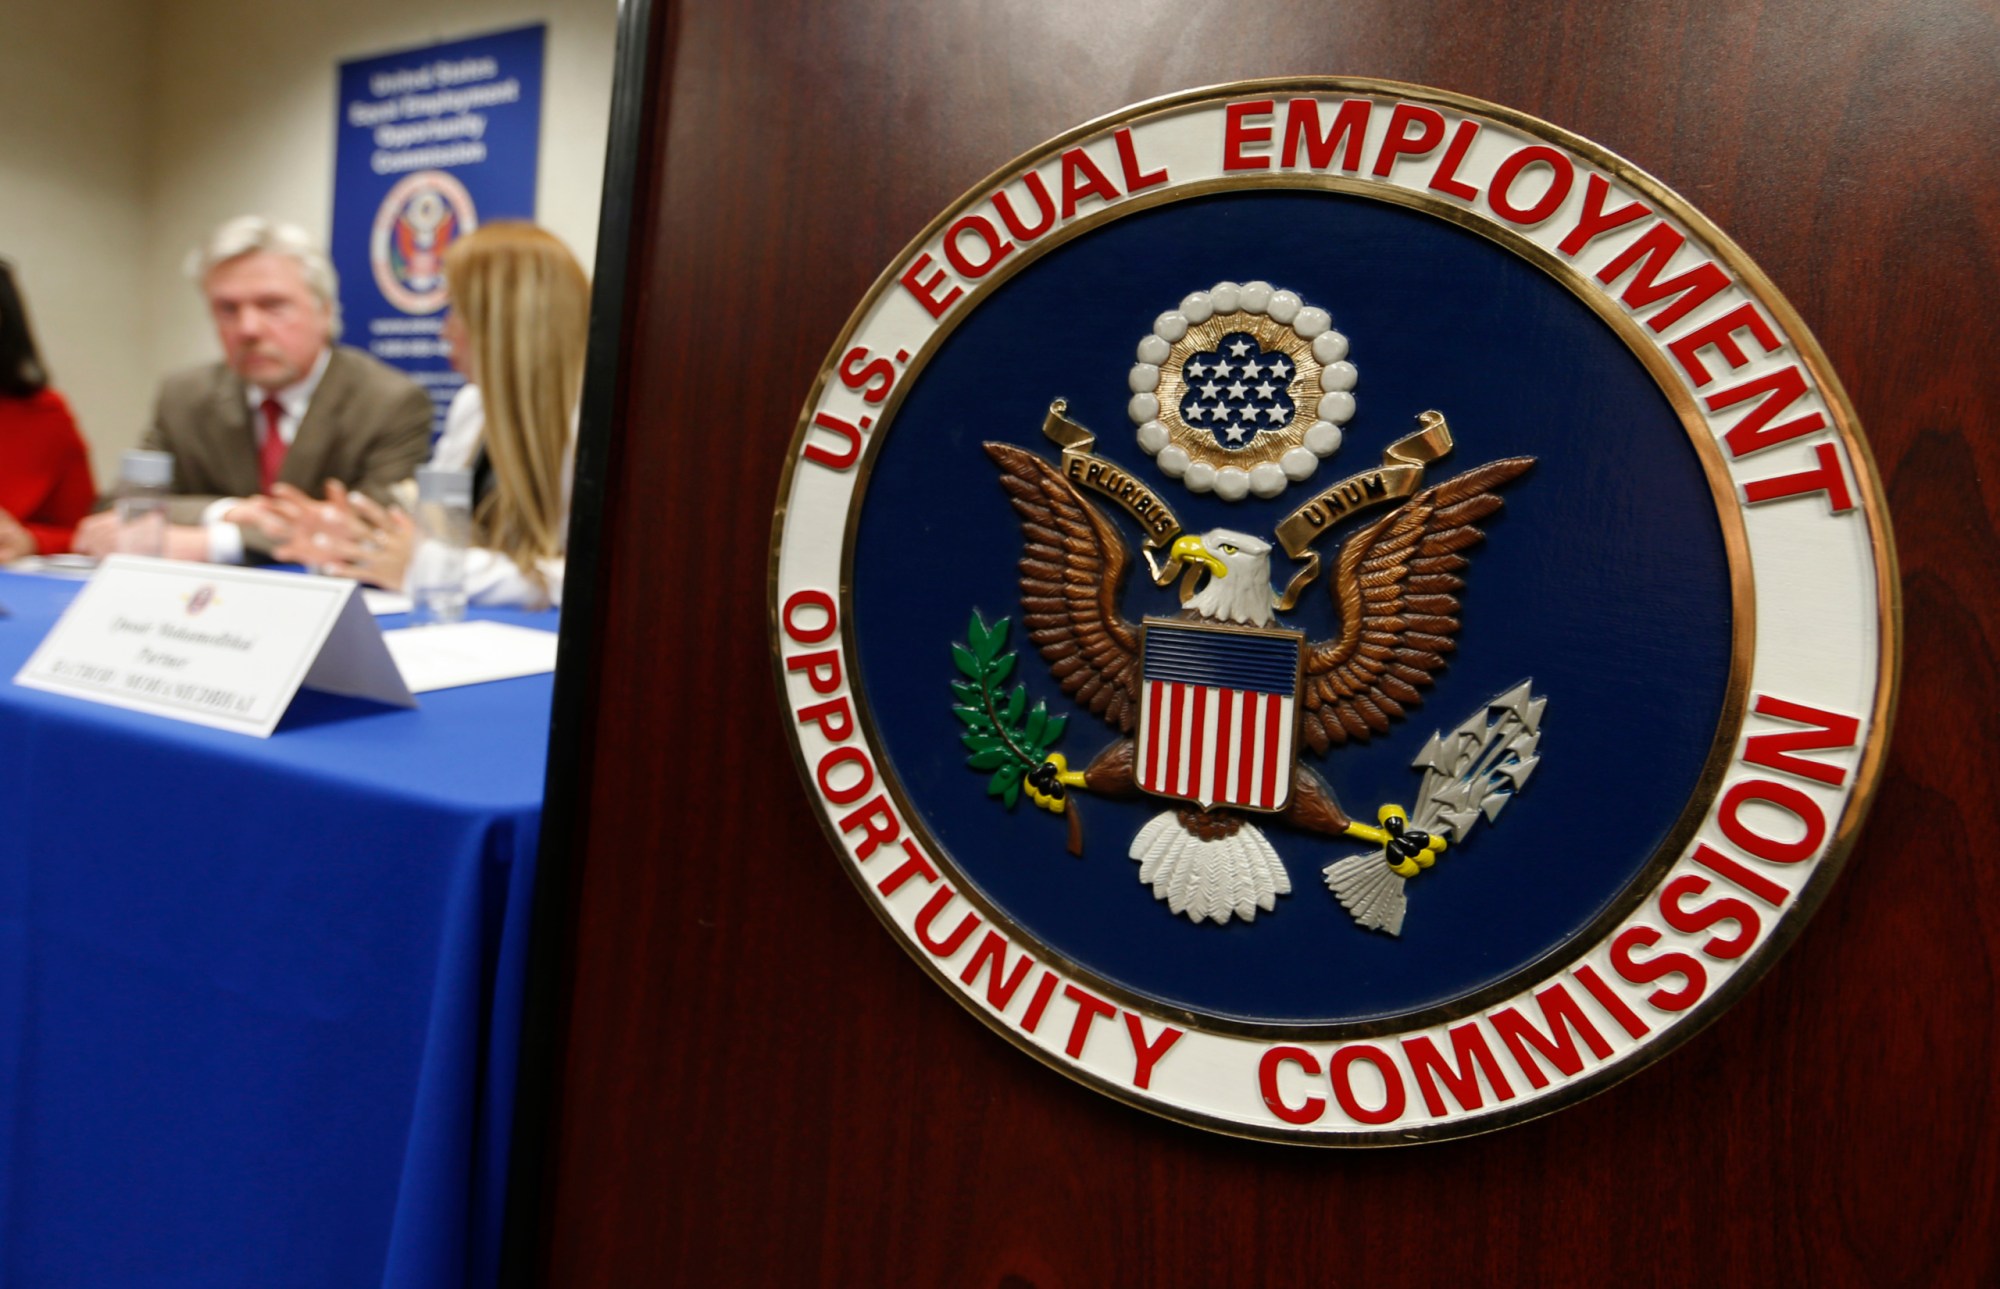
[{"x": 458, "y": 447}]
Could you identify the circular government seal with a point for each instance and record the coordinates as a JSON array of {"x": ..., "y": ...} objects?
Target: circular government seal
[
  {"x": 421, "y": 216},
  {"x": 1315, "y": 759}
]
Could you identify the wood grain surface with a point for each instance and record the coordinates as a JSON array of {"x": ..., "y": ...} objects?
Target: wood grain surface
[{"x": 748, "y": 1082}]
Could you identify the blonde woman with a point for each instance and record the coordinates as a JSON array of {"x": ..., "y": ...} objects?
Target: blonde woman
[{"x": 520, "y": 311}]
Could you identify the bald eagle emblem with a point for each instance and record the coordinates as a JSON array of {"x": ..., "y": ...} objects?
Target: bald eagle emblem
[{"x": 1212, "y": 706}]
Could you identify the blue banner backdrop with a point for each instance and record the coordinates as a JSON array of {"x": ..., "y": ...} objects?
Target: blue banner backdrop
[{"x": 431, "y": 143}]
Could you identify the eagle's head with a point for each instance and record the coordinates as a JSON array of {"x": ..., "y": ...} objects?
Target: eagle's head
[{"x": 1240, "y": 588}]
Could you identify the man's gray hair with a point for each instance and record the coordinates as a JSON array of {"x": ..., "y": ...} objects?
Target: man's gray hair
[{"x": 250, "y": 233}]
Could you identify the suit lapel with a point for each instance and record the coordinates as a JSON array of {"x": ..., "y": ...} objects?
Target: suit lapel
[
  {"x": 310, "y": 461},
  {"x": 235, "y": 445}
]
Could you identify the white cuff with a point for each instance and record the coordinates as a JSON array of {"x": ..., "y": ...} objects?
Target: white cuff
[{"x": 225, "y": 542}]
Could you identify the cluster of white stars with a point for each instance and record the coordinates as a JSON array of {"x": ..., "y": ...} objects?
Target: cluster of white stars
[
  {"x": 1257, "y": 384},
  {"x": 1246, "y": 423},
  {"x": 1279, "y": 367},
  {"x": 1237, "y": 427}
]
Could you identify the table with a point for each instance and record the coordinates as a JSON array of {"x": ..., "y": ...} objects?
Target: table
[{"x": 259, "y": 999}]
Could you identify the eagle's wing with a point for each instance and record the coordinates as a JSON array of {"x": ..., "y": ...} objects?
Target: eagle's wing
[
  {"x": 1072, "y": 572},
  {"x": 1396, "y": 585}
]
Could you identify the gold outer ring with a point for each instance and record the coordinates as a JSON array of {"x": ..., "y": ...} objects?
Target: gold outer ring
[{"x": 1750, "y": 278}]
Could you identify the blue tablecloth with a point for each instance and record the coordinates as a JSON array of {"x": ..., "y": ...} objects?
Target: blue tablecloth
[{"x": 259, "y": 999}]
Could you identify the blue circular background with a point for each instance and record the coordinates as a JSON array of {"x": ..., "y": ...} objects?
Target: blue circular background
[{"x": 1605, "y": 579}]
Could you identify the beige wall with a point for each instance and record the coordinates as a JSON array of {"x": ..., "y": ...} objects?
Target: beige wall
[
  {"x": 128, "y": 128},
  {"x": 76, "y": 85}
]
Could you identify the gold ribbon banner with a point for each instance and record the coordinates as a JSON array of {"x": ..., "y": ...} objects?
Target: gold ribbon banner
[
  {"x": 1399, "y": 475},
  {"x": 1082, "y": 467}
]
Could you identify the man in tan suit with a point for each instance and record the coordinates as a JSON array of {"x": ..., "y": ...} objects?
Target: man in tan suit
[{"x": 285, "y": 405}]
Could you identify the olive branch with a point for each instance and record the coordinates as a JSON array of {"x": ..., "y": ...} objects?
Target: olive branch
[{"x": 996, "y": 736}]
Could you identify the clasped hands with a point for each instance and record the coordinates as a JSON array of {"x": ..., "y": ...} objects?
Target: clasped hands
[{"x": 349, "y": 534}]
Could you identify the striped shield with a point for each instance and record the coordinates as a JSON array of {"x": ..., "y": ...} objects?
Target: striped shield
[{"x": 1216, "y": 721}]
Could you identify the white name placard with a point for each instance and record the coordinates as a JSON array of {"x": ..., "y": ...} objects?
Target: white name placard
[{"x": 219, "y": 646}]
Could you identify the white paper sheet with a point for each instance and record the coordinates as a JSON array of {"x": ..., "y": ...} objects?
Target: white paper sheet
[
  {"x": 382, "y": 602},
  {"x": 75, "y": 568},
  {"x": 469, "y": 653}
]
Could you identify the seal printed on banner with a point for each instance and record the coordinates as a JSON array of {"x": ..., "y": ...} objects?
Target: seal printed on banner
[
  {"x": 1215, "y": 777},
  {"x": 417, "y": 222}
]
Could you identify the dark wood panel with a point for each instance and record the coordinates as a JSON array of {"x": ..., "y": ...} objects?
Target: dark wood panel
[{"x": 752, "y": 1086}]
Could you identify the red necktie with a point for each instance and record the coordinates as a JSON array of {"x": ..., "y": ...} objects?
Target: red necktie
[{"x": 271, "y": 454}]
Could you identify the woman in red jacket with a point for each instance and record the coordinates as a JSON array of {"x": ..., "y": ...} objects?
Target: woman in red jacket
[{"x": 45, "y": 483}]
